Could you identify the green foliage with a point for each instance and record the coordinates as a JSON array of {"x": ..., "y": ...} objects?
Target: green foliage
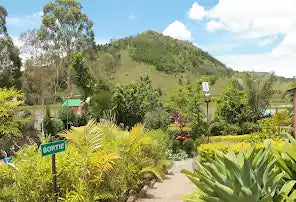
[
  {"x": 58, "y": 125},
  {"x": 217, "y": 128},
  {"x": 259, "y": 90},
  {"x": 83, "y": 79},
  {"x": 133, "y": 101},
  {"x": 187, "y": 101},
  {"x": 101, "y": 162},
  {"x": 246, "y": 176},
  {"x": 67, "y": 115},
  {"x": 157, "y": 119},
  {"x": 268, "y": 127},
  {"x": 283, "y": 118},
  {"x": 58, "y": 16},
  {"x": 10, "y": 100},
  {"x": 233, "y": 105},
  {"x": 249, "y": 127},
  {"x": 287, "y": 158},
  {"x": 48, "y": 124},
  {"x": 3, "y": 15},
  {"x": 10, "y": 64},
  {"x": 99, "y": 103},
  {"x": 188, "y": 146},
  {"x": 223, "y": 128},
  {"x": 170, "y": 55}
]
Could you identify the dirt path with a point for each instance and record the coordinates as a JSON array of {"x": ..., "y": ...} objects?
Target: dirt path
[{"x": 173, "y": 187}]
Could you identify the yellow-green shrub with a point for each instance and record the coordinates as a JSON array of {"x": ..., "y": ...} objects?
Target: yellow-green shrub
[
  {"x": 208, "y": 150},
  {"x": 88, "y": 170}
]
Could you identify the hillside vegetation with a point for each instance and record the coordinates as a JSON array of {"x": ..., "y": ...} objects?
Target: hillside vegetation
[
  {"x": 170, "y": 55},
  {"x": 169, "y": 63}
]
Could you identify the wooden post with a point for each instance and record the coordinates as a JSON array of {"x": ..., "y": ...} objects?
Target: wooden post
[
  {"x": 294, "y": 107},
  {"x": 54, "y": 178}
]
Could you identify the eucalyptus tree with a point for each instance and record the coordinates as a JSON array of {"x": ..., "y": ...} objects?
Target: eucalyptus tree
[
  {"x": 10, "y": 62},
  {"x": 65, "y": 29},
  {"x": 3, "y": 15}
]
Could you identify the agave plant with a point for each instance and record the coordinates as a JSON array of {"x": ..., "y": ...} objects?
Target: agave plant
[
  {"x": 245, "y": 177},
  {"x": 287, "y": 158}
]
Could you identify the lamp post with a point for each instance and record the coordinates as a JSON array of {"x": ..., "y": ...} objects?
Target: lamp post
[{"x": 206, "y": 89}]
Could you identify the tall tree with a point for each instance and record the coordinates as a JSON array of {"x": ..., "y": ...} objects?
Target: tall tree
[
  {"x": 3, "y": 15},
  {"x": 259, "y": 91},
  {"x": 66, "y": 30},
  {"x": 10, "y": 62},
  {"x": 83, "y": 79},
  {"x": 133, "y": 101}
]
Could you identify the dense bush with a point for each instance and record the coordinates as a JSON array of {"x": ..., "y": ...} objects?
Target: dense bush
[
  {"x": 247, "y": 176},
  {"x": 233, "y": 106},
  {"x": 100, "y": 162},
  {"x": 249, "y": 127},
  {"x": 157, "y": 119},
  {"x": 223, "y": 128},
  {"x": 207, "y": 151},
  {"x": 188, "y": 146},
  {"x": 66, "y": 114},
  {"x": 133, "y": 101},
  {"x": 68, "y": 117},
  {"x": 269, "y": 128},
  {"x": 217, "y": 128},
  {"x": 99, "y": 103}
]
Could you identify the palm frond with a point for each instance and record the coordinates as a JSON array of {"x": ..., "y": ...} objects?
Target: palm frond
[{"x": 88, "y": 136}]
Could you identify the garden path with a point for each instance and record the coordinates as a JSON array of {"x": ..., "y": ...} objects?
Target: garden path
[{"x": 173, "y": 187}]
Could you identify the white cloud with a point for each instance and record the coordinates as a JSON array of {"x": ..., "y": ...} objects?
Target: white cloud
[
  {"x": 258, "y": 18},
  {"x": 263, "y": 20},
  {"x": 13, "y": 20},
  {"x": 102, "y": 41},
  {"x": 267, "y": 40},
  {"x": 282, "y": 65},
  {"x": 131, "y": 17},
  {"x": 197, "y": 12},
  {"x": 214, "y": 25},
  {"x": 178, "y": 30},
  {"x": 25, "y": 21}
]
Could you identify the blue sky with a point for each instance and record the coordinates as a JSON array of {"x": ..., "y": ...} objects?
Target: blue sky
[{"x": 244, "y": 34}]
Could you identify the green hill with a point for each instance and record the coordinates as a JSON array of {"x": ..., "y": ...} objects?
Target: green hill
[
  {"x": 169, "y": 62},
  {"x": 170, "y": 55}
]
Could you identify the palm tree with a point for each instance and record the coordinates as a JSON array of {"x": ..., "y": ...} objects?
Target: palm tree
[{"x": 259, "y": 91}]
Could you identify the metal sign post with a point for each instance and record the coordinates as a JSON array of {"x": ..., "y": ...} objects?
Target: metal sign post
[
  {"x": 206, "y": 89},
  {"x": 51, "y": 149}
]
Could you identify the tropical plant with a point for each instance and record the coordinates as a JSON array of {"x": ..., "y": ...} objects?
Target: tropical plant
[
  {"x": 246, "y": 176},
  {"x": 10, "y": 100},
  {"x": 287, "y": 158},
  {"x": 84, "y": 137},
  {"x": 259, "y": 91},
  {"x": 233, "y": 105}
]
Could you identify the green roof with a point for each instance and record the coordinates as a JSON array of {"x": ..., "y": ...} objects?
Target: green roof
[{"x": 72, "y": 103}]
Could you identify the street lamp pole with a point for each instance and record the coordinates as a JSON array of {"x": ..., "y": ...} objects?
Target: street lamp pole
[{"x": 206, "y": 89}]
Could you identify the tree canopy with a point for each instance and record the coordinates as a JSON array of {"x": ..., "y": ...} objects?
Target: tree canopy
[
  {"x": 133, "y": 101},
  {"x": 233, "y": 106}
]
